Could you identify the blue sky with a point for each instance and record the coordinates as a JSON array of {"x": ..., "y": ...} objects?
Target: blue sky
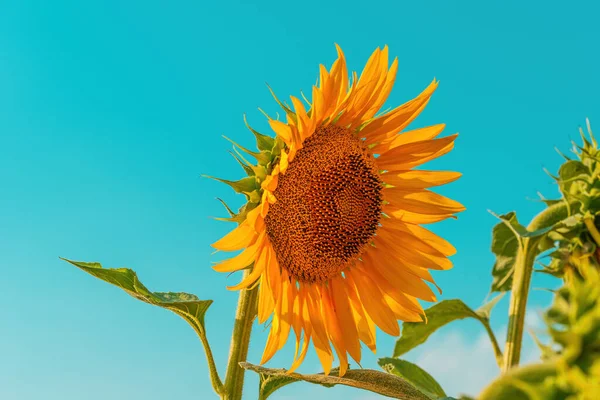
[{"x": 110, "y": 111}]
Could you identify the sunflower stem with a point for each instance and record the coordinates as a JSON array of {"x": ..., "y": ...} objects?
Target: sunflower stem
[
  {"x": 526, "y": 255},
  {"x": 240, "y": 341}
]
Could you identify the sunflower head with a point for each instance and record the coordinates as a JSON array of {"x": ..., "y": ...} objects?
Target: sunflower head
[{"x": 331, "y": 233}]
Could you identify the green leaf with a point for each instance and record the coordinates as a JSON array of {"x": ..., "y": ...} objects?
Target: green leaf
[
  {"x": 444, "y": 312},
  {"x": 187, "y": 306},
  {"x": 375, "y": 381},
  {"x": 414, "y": 374}
]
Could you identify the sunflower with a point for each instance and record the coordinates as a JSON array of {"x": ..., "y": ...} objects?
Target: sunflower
[{"x": 331, "y": 233}]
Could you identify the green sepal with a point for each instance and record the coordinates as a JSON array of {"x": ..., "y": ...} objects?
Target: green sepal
[
  {"x": 254, "y": 197},
  {"x": 263, "y": 157},
  {"x": 277, "y": 147},
  {"x": 285, "y": 107},
  {"x": 229, "y": 210},
  {"x": 240, "y": 216},
  {"x": 263, "y": 142},
  {"x": 247, "y": 167},
  {"x": 245, "y": 185}
]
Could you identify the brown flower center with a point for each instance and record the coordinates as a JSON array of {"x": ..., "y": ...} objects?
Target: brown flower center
[{"x": 328, "y": 206}]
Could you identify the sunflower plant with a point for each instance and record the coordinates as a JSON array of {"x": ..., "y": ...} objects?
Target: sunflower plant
[{"x": 331, "y": 246}]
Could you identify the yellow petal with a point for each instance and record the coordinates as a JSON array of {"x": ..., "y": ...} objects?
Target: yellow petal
[
  {"x": 320, "y": 339},
  {"x": 419, "y": 179},
  {"x": 265, "y": 301},
  {"x": 432, "y": 239},
  {"x": 412, "y": 217},
  {"x": 382, "y": 127},
  {"x": 302, "y": 356},
  {"x": 286, "y": 315},
  {"x": 273, "y": 275},
  {"x": 345, "y": 317},
  {"x": 371, "y": 298},
  {"x": 384, "y": 93},
  {"x": 283, "y": 161},
  {"x": 270, "y": 183},
  {"x": 333, "y": 329},
  {"x": 402, "y": 313},
  {"x": 242, "y": 260},
  {"x": 271, "y": 346},
  {"x": 364, "y": 324},
  {"x": 237, "y": 239},
  {"x": 284, "y": 131},
  {"x": 317, "y": 108},
  {"x": 400, "y": 279},
  {"x": 305, "y": 124},
  {"x": 342, "y": 73},
  {"x": 389, "y": 245},
  {"x": 412, "y": 154},
  {"x": 259, "y": 267},
  {"x": 423, "y": 202},
  {"x": 416, "y": 135},
  {"x": 409, "y": 238}
]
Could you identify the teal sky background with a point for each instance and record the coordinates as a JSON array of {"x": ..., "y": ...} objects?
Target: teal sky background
[{"x": 111, "y": 110}]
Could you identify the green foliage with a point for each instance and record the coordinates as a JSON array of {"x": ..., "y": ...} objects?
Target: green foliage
[
  {"x": 413, "y": 374},
  {"x": 375, "y": 381}
]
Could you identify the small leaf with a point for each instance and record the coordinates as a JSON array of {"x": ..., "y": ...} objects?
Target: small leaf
[
  {"x": 444, "y": 312},
  {"x": 375, "y": 381},
  {"x": 507, "y": 237},
  {"x": 505, "y": 244},
  {"x": 414, "y": 374}
]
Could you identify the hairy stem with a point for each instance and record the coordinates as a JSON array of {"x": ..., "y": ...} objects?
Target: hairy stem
[
  {"x": 526, "y": 255},
  {"x": 240, "y": 341}
]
